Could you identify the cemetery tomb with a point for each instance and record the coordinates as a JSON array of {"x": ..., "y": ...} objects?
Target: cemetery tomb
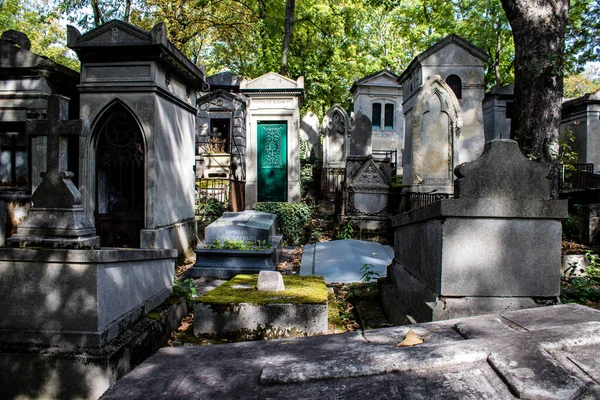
[
  {"x": 68, "y": 306},
  {"x": 26, "y": 82},
  {"x": 237, "y": 309},
  {"x": 379, "y": 96},
  {"x": 272, "y": 138},
  {"x": 495, "y": 246},
  {"x": 452, "y": 126},
  {"x": 137, "y": 165},
  {"x": 238, "y": 242}
]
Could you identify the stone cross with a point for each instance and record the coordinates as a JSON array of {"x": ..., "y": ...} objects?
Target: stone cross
[{"x": 57, "y": 189}]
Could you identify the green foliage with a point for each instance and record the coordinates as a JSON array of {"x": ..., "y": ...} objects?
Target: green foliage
[
  {"x": 209, "y": 210},
  {"x": 227, "y": 244},
  {"x": 577, "y": 85},
  {"x": 584, "y": 289},
  {"x": 571, "y": 224},
  {"x": 368, "y": 273},
  {"x": 346, "y": 231},
  {"x": 293, "y": 220},
  {"x": 43, "y": 26},
  {"x": 185, "y": 289}
]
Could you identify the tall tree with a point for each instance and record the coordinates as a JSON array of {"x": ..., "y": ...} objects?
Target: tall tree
[
  {"x": 538, "y": 30},
  {"x": 290, "y": 6}
]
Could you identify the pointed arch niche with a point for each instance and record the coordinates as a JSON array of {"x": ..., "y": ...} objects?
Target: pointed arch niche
[{"x": 120, "y": 159}]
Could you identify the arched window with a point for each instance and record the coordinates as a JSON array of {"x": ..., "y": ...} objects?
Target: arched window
[{"x": 455, "y": 84}]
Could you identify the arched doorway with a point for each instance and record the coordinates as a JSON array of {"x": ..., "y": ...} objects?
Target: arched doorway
[{"x": 120, "y": 195}]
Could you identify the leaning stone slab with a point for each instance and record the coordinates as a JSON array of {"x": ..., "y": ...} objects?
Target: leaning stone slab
[{"x": 237, "y": 309}]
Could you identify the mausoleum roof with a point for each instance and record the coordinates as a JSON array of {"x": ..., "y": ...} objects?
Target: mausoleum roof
[
  {"x": 386, "y": 73},
  {"x": 17, "y": 61},
  {"x": 450, "y": 39},
  {"x": 121, "y": 41},
  {"x": 272, "y": 83}
]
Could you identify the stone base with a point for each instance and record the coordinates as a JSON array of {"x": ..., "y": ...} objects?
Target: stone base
[
  {"x": 377, "y": 224},
  {"x": 53, "y": 372},
  {"x": 427, "y": 306},
  {"x": 79, "y": 298},
  {"x": 249, "y": 321},
  {"x": 225, "y": 264},
  {"x": 24, "y": 241},
  {"x": 55, "y": 228},
  {"x": 180, "y": 236}
]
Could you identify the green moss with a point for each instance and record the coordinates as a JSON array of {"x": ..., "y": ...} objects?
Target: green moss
[
  {"x": 298, "y": 290},
  {"x": 155, "y": 316},
  {"x": 333, "y": 314}
]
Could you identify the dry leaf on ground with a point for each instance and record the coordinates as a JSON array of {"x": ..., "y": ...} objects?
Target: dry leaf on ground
[{"x": 410, "y": 339}]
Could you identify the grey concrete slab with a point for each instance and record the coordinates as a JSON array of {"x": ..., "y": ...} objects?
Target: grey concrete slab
[
  {"x": 549, "y": 359},
  {"x": 341, "y": 260}
]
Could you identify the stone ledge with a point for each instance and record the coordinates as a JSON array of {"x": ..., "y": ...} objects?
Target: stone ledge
[
  {"x": 103, "y": 255},
  {"x": 486, "y": 208}
]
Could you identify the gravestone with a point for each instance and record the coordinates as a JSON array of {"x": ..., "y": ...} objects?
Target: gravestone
[
  {"x": 361, "y": 136},
  {"x": 495, "y": 246},
  {"x": 248, "y": 227},
  {"x": 336, "y": 127},
  {"x": 57, "y": 217},
  {"x": 435, "y": 130},
  {"x": 309, "y": 131}
]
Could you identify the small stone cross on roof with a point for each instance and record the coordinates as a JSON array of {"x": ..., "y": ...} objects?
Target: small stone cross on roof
[{"x": 57, "y": 189}]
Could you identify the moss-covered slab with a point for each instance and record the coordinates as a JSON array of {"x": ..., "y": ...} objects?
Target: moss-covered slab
[{"x": 237, "y": 309}]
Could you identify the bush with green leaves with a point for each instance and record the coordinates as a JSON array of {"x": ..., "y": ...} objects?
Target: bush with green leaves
[
  {"x": 209, "y": 210},
  {"x": 293, "y": 220},
  {"x": 571, "y": 224}
]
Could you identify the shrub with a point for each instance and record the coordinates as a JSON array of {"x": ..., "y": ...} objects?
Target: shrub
[
  {"x": 293, "y": 220},
  {"x": 209, "y": 210}
]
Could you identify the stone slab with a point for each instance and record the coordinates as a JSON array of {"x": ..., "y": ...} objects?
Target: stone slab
[
  {"x": 247, "y": 225},
  {"x": 447, "y": 365},
  {"x": 79, "y": 298},
  {"x": 251, "y": 321},
  {"x": 341, "y": 260},
  {"x": 58, "y": 373}
]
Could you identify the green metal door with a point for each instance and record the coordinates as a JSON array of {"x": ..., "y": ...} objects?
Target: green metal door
[{"x": 272, "y": 161}]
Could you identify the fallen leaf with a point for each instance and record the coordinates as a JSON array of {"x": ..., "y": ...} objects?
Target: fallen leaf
[{"x": 410, "y": 339}]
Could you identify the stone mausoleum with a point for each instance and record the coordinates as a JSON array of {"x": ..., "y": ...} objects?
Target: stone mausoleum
[
  {"x": 137, "y": 166},
  {"x": 459, "y": 66}
]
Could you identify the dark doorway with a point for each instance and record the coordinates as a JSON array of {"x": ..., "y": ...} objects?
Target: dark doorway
[{"x": 120, "y": 160}]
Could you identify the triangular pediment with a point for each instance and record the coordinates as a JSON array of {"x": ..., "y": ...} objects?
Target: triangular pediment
[
  {"x": 369, "y": 175},
  {"x": 381, "y": 77},
  {"x": 270, "y": 80},
  {"x": 115, "y": 33},
  {"x": 220, "y": 99}
]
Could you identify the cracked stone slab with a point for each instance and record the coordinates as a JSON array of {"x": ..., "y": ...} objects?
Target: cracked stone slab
[{"x": 544, "y": 353}]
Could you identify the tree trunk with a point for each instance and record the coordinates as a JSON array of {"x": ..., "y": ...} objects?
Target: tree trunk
[
  {"x": 538, "y": 29},
  {"x": 290, "y": 6},
  {"x": 98, "y": 17},
  {"x": 127, "y": 10}
]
